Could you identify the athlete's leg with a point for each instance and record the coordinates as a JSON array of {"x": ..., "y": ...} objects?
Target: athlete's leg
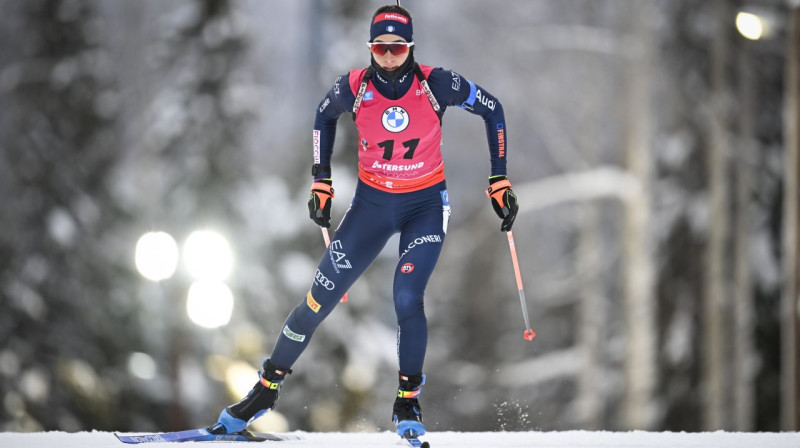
[
  {"x": 421, "y": 241},
  {"x": 362, "y": 234}
]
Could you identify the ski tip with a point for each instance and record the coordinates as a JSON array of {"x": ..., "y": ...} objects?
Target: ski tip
[{"x": 529, "y": 334}]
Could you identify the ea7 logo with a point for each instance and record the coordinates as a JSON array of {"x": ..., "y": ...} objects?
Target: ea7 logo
[
  {"x": 456, "y": 81},
  {"x": 320, "y": 279},
  {"x": 336, "y": 86},
  {"x": 339, "y": 257}
]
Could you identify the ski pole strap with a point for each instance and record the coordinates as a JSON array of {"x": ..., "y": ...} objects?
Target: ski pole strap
[{"x": 361, "y": 90}]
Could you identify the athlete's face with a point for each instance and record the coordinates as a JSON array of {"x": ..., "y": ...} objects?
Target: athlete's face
[{"x": 390, "y": 61}]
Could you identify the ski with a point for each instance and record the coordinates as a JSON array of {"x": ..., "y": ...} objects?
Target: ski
[
  {"x": 202, "y": 435},
  {"x": 415, "y": 442}
]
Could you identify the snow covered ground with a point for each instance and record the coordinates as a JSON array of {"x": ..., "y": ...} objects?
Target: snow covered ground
[{"x": 571, "y": 439}]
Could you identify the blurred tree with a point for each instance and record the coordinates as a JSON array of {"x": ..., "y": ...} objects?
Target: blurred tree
[
  {"x": 744, "y": 357},
  {"x": 67, "y": 324},
  {"x": 641, "y": 373},
  {"x": 196, "y": 165},
  {"x": 790, "y": 326},
  {"x": 716, "y": 303}
]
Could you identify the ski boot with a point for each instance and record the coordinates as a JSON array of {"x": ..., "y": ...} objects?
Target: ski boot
[
  {"x": 260, "y": 400},
  {"x": 406, "y": 413}
]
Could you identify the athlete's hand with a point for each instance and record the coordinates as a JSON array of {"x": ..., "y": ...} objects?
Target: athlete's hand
[
  {"x": 504, "y": 201},
  {"x": 319, "y": 204}
]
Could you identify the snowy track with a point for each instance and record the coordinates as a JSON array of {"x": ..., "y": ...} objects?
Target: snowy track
[{"x": 570, "y": 439}]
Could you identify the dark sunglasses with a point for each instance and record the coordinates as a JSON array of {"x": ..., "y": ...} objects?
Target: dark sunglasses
[{"x": 397, "y": 48}]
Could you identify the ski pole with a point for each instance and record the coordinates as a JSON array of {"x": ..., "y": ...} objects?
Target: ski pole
[
  {"x": 327, "y": 239},
  {"x": 529, "y": 333}
]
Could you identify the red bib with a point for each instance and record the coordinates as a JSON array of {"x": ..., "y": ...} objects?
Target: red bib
[{"x": 400, "y": 147}]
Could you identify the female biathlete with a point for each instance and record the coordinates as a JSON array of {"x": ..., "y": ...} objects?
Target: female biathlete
[{"x": 397, "y": 106}]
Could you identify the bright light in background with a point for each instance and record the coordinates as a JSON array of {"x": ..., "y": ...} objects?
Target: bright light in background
[
  {"x": 750, "y": 25},
  {"x": 358, "y": 377},
  {"x": 141, "y": 365},
  {"x": 758, "y": 22},
  {"x": 240, "y": 377},
  {"x": 208, "y": 255},
  {"x": 274, "y": 421},
  {"x": 209, "y": 304},
  {"x": 156, "y": 256}
]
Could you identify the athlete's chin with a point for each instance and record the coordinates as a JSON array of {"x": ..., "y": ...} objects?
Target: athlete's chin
[{"x": 390, "y": 69}]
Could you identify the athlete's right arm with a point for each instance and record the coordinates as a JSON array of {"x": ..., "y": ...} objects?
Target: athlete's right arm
[{"x": 337, "y": 101}]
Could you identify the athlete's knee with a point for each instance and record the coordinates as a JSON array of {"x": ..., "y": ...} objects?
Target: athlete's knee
[
  {"x": 308, "y": 314},
  {"x": 408, "y": 303}
]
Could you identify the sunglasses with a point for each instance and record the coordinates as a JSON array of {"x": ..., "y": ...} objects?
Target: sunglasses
[{"x": 397, "y": 48}]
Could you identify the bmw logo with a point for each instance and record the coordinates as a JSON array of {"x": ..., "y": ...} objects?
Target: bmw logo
[
  {"x": 395, "y": 119},
  {"x": 390, "y": 29}
]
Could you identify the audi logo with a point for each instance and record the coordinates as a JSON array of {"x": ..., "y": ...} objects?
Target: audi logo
[{"x": 322, "y": 280}]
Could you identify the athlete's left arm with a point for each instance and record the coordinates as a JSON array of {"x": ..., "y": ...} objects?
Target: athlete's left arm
[{"x": 452, "y": 89}]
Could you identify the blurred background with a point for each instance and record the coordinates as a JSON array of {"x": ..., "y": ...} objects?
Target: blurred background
[{"x": 154, "y": 172}]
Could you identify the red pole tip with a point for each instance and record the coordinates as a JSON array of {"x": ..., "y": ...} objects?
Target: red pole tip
[{"x": 529, "y": 335}]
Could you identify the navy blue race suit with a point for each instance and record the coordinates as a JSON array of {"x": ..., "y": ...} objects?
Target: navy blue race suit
[{"x": 374, "y": 215}]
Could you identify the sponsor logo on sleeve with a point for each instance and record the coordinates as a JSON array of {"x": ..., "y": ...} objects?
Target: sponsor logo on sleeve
[
  {"x": 316, "y": 146},
  {"x": 321, "y": 280},
  {"x": 407, "y": 268},
  {"x": 483, "y": 99},
  {"x": 420, "y": 241},
  {"x": 338, "y": 257},
  {"x": 456, "y": 81},
  {"x": 336, "y": 86},
  {"x": 313, "y": 304},
  {"x": 292, "y": 335},
  {"x": 501, "y": 140},
  {"x": 324, "y": 105}
]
